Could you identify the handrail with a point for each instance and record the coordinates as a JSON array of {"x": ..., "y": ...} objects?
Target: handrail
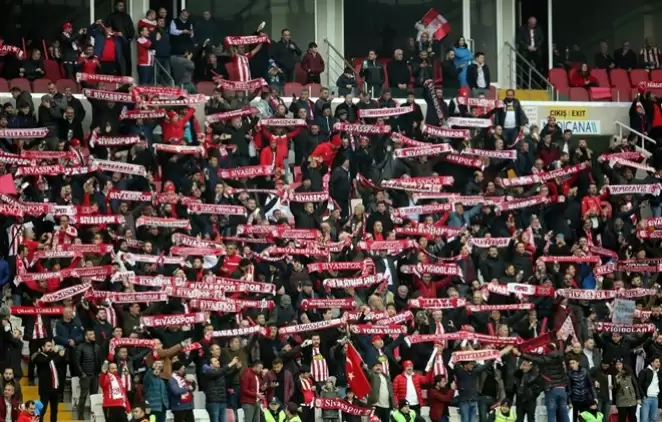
[
  {"x": 643, "y": 137},
  {"x": 158, "y": 67},
  {"x": 531, "y": 66},
  {"x": 347, "y": 63}
]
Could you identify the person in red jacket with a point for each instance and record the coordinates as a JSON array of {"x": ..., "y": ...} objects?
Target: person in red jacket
[
  {"x": 582, "y": 77},
  {"x": 276, "y": 153},
  {"x": 9, "y": 406},
  {"x": 313, "y": 64},
  {"x": 27, "y": 415},
  {"x": 591, "y": 204},
  {"x": 173, "y": 125},
  {"x": 251, "y": 393},
  {"x": 115, "y": 403},
  {"x": 407, "y": 386},
  {"x": 326, "y": 151},
  {"x": 439, "y": 398}
]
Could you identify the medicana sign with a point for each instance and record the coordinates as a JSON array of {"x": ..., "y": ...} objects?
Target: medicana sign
[{"x": 580, "y": 120}]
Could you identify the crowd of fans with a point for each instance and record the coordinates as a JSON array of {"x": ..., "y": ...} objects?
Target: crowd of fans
[{"x": 366, "y": 261}]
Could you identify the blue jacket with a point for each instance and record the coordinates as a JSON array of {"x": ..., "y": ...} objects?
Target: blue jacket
[
  {"x": 4, "y": 272},
  {"x": 456, "y": 220},
  {"x": 176, "y": 392},
  {"x": 463, "y": 56},
  {"x": 68, "y": 330},
  {"x": 155, "y": 392},
  {"x": 162, "y": 48}
]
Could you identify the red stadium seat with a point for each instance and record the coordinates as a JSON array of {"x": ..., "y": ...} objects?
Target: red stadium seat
[
  {"x": 52, "y": 70},
  {"x": 621, "y": 95},
  {"x": 4, "y": 86},
  {"x": 22, "y": 83},
  {"x": 438, "y": 73},
  {"x": 292, "y": 88},
  {"x": 601, "y": 93},
  {"x": 619, "y": 78},
  {"x": 637, "y": 76},
  {"x": 358, "y": 61},
  {"x": 63, "y": 84},
  {"x": 602, "y": 77},
  {"x": 206, "y": 87},
  {"x": 40, "y": 85},
  {"x": 558, "y": 78},
  {"x": 315, "y": 89},
  {"x": 385, "y": 84},
  {"x": 492, "y": 93},
  {"x": 300, "y": 75},
  {"x": 656, "y": 75},
  {"x": 578, "y": 94}
]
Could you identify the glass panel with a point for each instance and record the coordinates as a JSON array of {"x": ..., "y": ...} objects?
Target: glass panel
[
  {"x": 484, "y": 33},
  {"x": 387, "y": 24}
]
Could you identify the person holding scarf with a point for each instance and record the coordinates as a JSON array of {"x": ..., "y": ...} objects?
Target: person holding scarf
[
  {"x": 115, "y": 403},
  {"x": 181, "y": 394},
  {"x": 46, "y": 360}
]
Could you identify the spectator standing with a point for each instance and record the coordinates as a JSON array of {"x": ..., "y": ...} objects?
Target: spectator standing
[
  {"x": 88, "y": 62},
  {"x": 511, "y": 117},
  {"x": 372, "y": 73},
  {"x": 70, "y": 125},
  {"x": 381, "y": 396},
  {"x": 115, "y": 402},
  {"x": 215, "y": 389},
  {"x": 422, "y": 69},
  {"x": 626, "y": 393},
  {"x": 603, "y": 59},
  {"x": 46, "y": 360},
  {"x": 463, "y": 58},
  {"x": 286, "y": 54},
  {"x": 68, "y": 333},
  {"x": 156, "y": 392},
  {"x": 69, "y": 48},
  {"x": 399, "y": 74},
  {"x": 478, "y": 76},
  {"x": 162, "y": 52},
  {"x": 251, "y": 395},
  {"x": 625, "y": 57},
  {"x": 451, "y": 74},
  {"x": 181, "y": 34},
  {"x": 313, "y": 64},
  {"x": 530, "y": 41},
  {"x": 649, "y": 382},
  {"x": 146, "y": 53},
  {"x": 183, "y": 68},
  {"x": 108, "y": 48},
  {"x": 181, "y": 394},
  {"x": 580, "y": 388},
  {"x": 207, "y": 29},
  {"x": 87, "y": 362},
  {"x": 122, "y": 24},
  {"x": 650, "y": 56}
]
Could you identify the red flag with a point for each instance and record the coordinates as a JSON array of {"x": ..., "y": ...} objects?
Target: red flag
[
  {"x": 356, "y": 378},
  {"x": 434, "y": 24}
]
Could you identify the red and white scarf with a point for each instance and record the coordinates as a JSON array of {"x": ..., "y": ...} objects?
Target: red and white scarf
[
  {"x": 116, "y": 97},
  {"x": 651, "y": 189},
  {"x": 440, "y": 132},
  {"x": 473, "y": 122},
  {"x": 183, "y": 384},
  {"x": 139, "y": 114},
  {"x": 282, "y": 122},
  {"x": 357, "y": 282},
  {"x": 237, "y": 332},
  {"x": 315, "y": 303},
  {"x": 98, "y": 78},
  {"x": 177, "y": 320},
  {"x": 247, "y": 40},
  {"x": 382, "y": 329},
  {"x": 384, "y": 112},
  {"x": 251, "y": 85},
  {"x": 474, "y": 355},
  {"x": 24, "y": 133},
  {"x": 361, "y": 129},
  {"x": 113, "y": 141},
  {"x": 311, "y": 326},
  {"x": 422, "y": 151},
  {"x": 436, "y": 303},
  {"x": 624, "y": 328},
  {"x": 229, "y": 115},
  {"x": 247, "y": 172},
  {"x": 170, "y": 223},
  {"x": 118, "y": 167},
  {"x": 435, "y": 269},
  {"x": 509, "y": 154},
  {"x": 464, "y": 161},
  {"x": 343, "y": 406}
]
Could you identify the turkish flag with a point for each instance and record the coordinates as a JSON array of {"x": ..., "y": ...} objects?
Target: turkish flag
[
  {"x": 356, "y": 378},
  {"x": 435, "y": 25}
]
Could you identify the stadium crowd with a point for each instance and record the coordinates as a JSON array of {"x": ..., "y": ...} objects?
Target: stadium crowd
[{"x": 363, "y": 261}]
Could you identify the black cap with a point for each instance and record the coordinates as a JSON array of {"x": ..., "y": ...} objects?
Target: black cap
[
  {"x": 403, "y": 403},
  {"x": 275, "y": 400}
]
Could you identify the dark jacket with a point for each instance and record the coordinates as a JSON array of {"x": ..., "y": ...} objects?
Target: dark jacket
[
  {"x": 215, "y": 387},
  {"x": 528, "y": 384},
  {"x": 398, "y": 73},
  {"x": 524, "y": 39},
  {"x": 645, "y": 379},
  {"x": 552, "y": 369},
  {"x": 375, "y": 383},
  {"x": 122, "y": 22},
  {"x": 451, "y": 75},
  {"x": 88, "y": 359},
  {"x": 467, "y": 382},
  {"x": 373, "y": 72},
  {"x": 472, "y": 75},
  {"x": 285, "y": 56},
  {"x": 580, "y": 386},
  {"x": 516, "y": 106}
]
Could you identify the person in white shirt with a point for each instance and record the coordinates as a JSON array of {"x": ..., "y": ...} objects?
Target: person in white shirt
[{"x": 649, "y": 382}]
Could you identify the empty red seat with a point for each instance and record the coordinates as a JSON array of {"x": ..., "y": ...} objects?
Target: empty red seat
[
  {"x": 656, "y": 75},
  {"x": 578, "y": 94},
  {"x": 601, "y": 93},
  {"x": 621, "y": 95},
  {"x": 205, "y": 87},
  {"x": 637, "y": 76},
  {"x": 314, "y": 89},
  {"x": 64, "y": 84},
  {"x": 492, "y": 93},
  {"x": 601, "y": 76},
  {"x": 619, "y": 78},
  {"x": 4, "y": 86},
  {"x": 40, "y": 85},
  {"x": 292, "y": 88},
  {"x": 558, "y": 78},
  {"x": 22, "y": 83},
  {"x": 52, "y": 70},
  {"x": 300, "y": 75}
]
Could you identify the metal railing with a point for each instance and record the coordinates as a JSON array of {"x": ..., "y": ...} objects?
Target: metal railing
[
  {"x": 527, "y": 76},
  {"x": 644, "y": 138},
  {"x": 336, "y": 64},
  {"x": 160, "y": 72}
]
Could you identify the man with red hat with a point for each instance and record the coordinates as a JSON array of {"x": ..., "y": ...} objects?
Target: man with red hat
[
  {"x": 376, "y": 352},
  {"x": 407, "y": 386},
  {"x": 70, "y": 48},
  {"x": 174, "y": 124}
]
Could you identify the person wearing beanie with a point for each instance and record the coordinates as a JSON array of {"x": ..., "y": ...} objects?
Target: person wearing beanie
[
  {"x": 403, "y": 413},
  {"x": 407, "y": 385},
  {"x": 181, "y": 393},
  {"x": 274, "y": 412},
  {"x": 346, "y": 82},
  {"x": 592, "y": 414},
  {"x": 505, "y": 412},
  {"x": 375, "y": 351}
]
